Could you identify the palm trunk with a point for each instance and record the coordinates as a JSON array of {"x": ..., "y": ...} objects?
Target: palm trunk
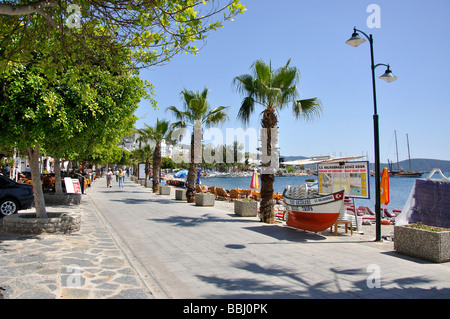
[
  {"x": 156, "y": 167},
  {"x": 147, "y": 171},
  {"x": 268, "y": 122},
  {"x": 58, "y": 182},
  {"x": 192, "y": 175},
  {"x": 34, "y": 154}
]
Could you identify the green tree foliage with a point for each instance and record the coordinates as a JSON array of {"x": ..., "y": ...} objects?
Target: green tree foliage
[
  {"x": 84, "y": 120},
  {"x": 150, "y": 32}
]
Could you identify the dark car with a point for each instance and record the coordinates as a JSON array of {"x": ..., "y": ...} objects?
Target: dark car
[{"x": 14, "y": 196}]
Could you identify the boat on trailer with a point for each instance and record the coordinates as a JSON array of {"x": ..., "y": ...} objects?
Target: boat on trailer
[{"x": 309, "y": 210}]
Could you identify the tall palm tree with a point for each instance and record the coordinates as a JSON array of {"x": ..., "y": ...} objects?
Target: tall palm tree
[
  {"x": 196, "y": 113},
  {"x": 162, "y": 131},
  {"x": 273, "y": 90}
]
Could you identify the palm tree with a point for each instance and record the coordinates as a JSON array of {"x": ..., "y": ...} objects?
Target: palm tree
[
  {"x": 273, "y": 90},
  {"x": 145, "y": 154},
  {"x": 161, "y": 131},
  {"x": 196, "y": 113}
]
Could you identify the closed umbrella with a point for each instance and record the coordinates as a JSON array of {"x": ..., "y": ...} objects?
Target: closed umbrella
[
  {"x": 384, "y": 185},
  {"x": 254, "y": 184}
]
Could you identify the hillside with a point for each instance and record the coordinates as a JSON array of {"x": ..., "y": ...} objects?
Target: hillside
[
  {"x": 417, "y": 164},
  {"x": 422, "y": 164}
]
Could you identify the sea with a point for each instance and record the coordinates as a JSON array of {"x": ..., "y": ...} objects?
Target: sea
[{"x": 399, "y": 187}]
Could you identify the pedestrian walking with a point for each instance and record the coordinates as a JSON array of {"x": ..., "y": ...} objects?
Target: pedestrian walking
[
  {"x": 109, "y": 177},
  {"x": 121, "y": 176}
]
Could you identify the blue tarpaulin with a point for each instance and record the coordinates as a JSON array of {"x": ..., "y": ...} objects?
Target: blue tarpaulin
[{"x": 181, "y": 174}]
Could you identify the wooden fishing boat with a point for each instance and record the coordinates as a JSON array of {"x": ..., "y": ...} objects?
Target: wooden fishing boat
[{"x": 310, "y": 211}]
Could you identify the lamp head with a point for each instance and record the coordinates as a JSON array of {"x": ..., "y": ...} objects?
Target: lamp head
[
  {"x": 355, "y": 40},
  {"x": 388, "y": 76}
]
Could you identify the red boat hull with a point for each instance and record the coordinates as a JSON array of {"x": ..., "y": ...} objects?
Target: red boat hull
[{"x": 314, "y": 222}]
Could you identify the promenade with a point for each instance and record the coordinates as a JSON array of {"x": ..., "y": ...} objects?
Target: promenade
[{"x": 140, "y": 245}]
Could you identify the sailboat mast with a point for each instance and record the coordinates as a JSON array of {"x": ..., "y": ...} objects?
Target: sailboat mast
[
  {"x": 409, "y": 157},
  {"x": 396, "y": 150}
]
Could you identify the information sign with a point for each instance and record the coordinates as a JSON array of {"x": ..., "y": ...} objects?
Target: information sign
[{"x": 351, "y": 176}]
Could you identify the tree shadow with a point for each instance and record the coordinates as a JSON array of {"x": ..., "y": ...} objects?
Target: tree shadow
[
  {"x": 298, "y": 285},
  {"x": 191, "y": 221},
  {"x": 286, "y": 233}
]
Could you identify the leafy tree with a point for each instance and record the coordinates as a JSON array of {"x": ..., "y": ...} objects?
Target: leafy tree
[
  {"x": 273, "y": 90},
  {"x": 196, "y": 113},
  {"x": 151, "y": 32},
  {"x": 67, "y": 121},
  {"x": 168, "y": 163}
]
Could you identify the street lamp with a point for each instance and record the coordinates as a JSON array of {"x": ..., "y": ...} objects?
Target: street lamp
[{"x": 355, "y": 41}]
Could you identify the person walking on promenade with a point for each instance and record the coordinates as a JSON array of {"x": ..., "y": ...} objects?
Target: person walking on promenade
[
  {"x": 109, "y": 177},
  {"x": 121, "y": 176}
]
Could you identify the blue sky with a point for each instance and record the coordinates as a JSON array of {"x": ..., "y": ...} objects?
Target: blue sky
[{"x": 412, "y": 38}]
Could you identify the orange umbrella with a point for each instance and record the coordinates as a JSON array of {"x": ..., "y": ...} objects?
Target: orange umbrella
[
  {"x": 254, "y": 184},
  {"x": 384, "y": 187}
]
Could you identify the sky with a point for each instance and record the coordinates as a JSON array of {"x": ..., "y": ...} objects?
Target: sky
[{"x": 411, "y": 36}]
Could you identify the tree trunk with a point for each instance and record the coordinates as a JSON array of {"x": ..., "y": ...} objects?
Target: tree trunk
[
  {"x": 192, "y": 175},
  {"x": 156, "y": 167},
  {"x": 147, "y": 171},
  {"x": 58, "y": 181},
  {"x": 268, "y": 122},
  {"x": 34, "y": 154}
]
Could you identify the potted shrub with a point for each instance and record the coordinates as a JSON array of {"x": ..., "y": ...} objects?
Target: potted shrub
[
  {"x": 246, "y": 207},
  {"x": 422, "y": 241}
]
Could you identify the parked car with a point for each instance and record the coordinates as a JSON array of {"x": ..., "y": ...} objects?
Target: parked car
[{"x": 14, "y": 196}]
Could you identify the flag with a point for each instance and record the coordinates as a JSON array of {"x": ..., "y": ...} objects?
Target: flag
[{"x": 384, "y": 187}]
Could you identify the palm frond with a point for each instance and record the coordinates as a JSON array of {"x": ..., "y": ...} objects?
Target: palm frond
[
  {"x": 307, "y": 109},
  {"x": 246, "y": 109}
]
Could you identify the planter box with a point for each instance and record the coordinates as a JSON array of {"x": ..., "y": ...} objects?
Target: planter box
[
  {"x": 180, "y": 194},
  {"x": 56, "y": 223},
  {"x": 245, "y": 208},
  {"x": 204, "y": 199},
  {"x": 164, "y": 190},
  {"x": 424, "y": 244},
  {"x": 64, "y": 199}
]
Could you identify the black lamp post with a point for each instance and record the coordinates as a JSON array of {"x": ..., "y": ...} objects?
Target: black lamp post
[{"x": 355, "y": 41}]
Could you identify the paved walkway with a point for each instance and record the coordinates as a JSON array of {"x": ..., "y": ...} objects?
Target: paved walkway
[{"x": 136, "y": 244}]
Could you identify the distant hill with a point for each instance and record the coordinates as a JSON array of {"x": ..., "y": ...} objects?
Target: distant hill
[
  {"x": 417, "y": 164},
  {"x": 422, "y": 164}
]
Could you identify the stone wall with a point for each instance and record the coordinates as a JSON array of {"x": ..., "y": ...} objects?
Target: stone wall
[{"x": 56, "y": 223}]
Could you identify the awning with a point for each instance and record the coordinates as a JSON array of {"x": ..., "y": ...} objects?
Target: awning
[{"x": 322, "y": 159}]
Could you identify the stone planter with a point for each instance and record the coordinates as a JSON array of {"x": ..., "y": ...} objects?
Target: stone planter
[
  {"x": 180, "y": 194},
  {"x": 56, "y": 223},
  {"x": 204, "y": 199},
  {"x": 164, "y": 190},
  {"x": 65, "y": 199},
  {"x": 424, "y": 244},
  {"x": 245, "y": 208}
]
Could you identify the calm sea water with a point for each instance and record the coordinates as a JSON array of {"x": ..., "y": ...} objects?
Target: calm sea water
[{"x": 400, "y": 187}]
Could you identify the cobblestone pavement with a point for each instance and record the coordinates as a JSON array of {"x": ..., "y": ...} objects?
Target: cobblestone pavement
[{"x": 86, "y": 265}]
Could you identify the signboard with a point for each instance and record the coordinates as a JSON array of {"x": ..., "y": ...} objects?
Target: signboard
[
  {"x": 72, "y": 185},
  {"x": 351, "y": 176},
  {"x": 141, "y": 171},
  {"x": 76, "y": 186}
]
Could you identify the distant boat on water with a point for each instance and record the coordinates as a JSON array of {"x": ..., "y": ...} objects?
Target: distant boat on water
[{"x": 399, "y": 172}]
